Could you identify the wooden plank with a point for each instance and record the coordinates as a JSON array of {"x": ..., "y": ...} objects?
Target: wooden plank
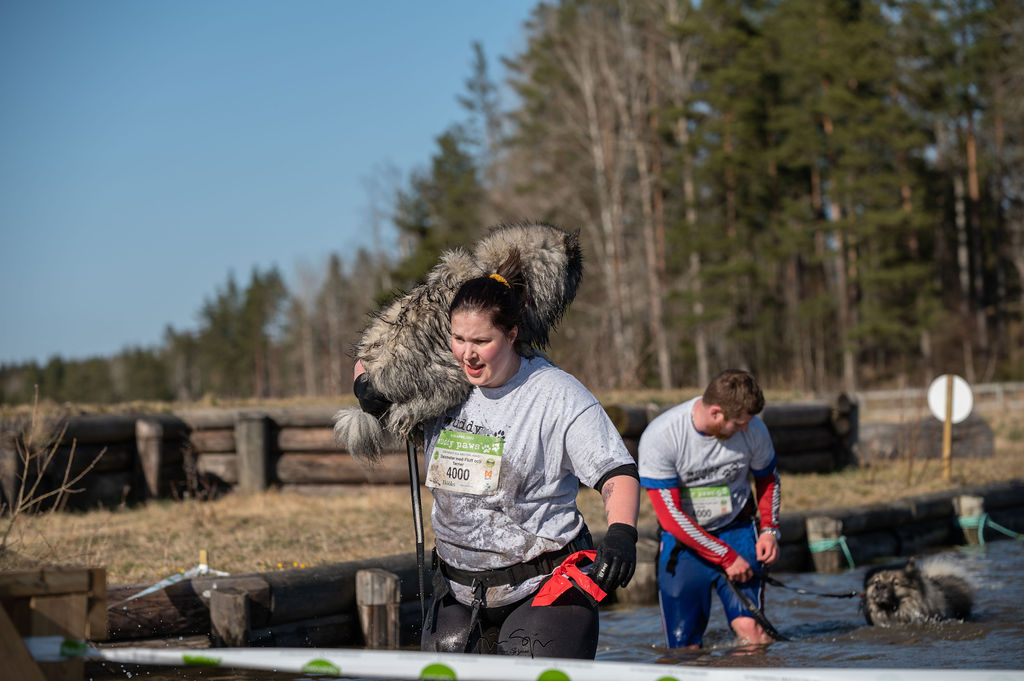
[
  {"x": 307, "y": 468},
  {"x": 63, "y": 615},
  {"x": 216, "y": 440},
  {"x": 306, "y": 440},
  {"x": 100, "y": 428},
  {"x": 803, "y": 414},
  {"x": 18, "y": 663},
  {"x": 807, "y": 462},
  {"x": 207, "y": 418},
  {"x": 803, "y": 439},
  {"x": 96, "y": 618},
  {"x": 44, "y": 582}
]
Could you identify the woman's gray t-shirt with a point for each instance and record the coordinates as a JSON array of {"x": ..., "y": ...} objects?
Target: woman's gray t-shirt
[{"x": 549, "y": 433}]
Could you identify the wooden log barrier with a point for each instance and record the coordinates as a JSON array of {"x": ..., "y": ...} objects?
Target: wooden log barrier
[
  {"x": 275, "y": 598},
  {"x": 839, "y": 539},
  {"x": 378, "y": 597}
]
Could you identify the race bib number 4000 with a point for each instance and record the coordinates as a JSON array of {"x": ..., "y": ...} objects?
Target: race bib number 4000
[
  {"x": 708, "y": 503},
  {"x": 464, "y": 462}
]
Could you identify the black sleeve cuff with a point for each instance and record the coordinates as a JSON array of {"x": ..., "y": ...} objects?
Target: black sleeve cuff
[{"x": 625, "y": 469}]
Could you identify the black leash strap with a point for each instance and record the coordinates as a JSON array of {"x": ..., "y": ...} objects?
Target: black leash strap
[
  {"x": 755, "y": 611},
  {"x": 417, "y": 516},
  {"x": 774, "y": 582}
]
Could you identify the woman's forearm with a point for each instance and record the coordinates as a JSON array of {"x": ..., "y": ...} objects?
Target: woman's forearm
[{"x": 621, "y": 497}]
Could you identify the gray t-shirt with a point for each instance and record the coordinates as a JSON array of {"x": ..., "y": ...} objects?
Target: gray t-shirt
[
  {"x": 549, "y": 433},
  {"x": 711, "y": 473}
]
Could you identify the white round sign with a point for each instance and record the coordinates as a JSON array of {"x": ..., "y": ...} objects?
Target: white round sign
[{"x": 963, "y": 398}]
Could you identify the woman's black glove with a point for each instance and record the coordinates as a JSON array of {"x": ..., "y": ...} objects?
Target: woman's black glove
[
  {"x": 616, "y": 557},
  {"x": 370, "y": 399}
]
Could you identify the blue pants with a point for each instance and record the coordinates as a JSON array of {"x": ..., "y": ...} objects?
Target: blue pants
[{"x": 685, "y": 594}]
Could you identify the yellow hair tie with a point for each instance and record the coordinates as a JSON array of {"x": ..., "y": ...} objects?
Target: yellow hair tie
[{"x": 498, "y": 277}]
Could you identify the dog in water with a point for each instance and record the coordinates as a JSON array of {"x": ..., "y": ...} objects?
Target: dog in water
[{"x": 906, "y": 593}]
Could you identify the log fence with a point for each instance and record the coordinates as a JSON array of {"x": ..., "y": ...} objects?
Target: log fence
[
  {"x": 375, "y": 603},
  {"x": 201, "y": 451}
]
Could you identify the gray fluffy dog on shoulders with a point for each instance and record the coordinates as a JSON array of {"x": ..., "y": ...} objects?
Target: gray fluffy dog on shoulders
[
  {"x": 908, "y": 593},
  {"x": 406, "y": 349}
]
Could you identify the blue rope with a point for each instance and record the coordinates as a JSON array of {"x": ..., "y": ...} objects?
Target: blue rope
[
  {"x": 829, "y": 544},
  {"x": 980, "y": 522}
]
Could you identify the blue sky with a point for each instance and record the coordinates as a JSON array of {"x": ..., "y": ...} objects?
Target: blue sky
[{"x": 148, "y": 148}]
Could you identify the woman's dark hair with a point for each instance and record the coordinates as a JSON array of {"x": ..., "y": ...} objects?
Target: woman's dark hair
[{"x": 498, "y": 294}]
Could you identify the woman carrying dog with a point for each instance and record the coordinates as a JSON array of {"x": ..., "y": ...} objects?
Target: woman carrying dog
[{"x": 504, "y": 468}]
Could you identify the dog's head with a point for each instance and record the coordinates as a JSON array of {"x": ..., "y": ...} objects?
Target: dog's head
[{"x": 888, "y": 589}]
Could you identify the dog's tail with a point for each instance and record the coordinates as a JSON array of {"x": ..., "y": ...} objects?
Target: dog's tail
[{"x": 360, "y": 434}]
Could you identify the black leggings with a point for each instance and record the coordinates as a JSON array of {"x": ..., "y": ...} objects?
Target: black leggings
[{"x": 566, "y": 628}]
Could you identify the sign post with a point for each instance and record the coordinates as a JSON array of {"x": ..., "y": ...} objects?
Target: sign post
[{"x": 951, "y": 401}]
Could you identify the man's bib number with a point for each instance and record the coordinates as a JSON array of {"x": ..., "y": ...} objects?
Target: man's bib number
[
  {"x": 708, "y": 503},
  {"x": 464, "y": 462}
]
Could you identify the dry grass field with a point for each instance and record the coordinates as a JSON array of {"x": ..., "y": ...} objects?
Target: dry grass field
[{"x": 249, "y": 533}]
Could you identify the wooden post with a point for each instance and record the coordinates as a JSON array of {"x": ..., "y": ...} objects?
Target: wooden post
[
  {"x": 10, "y": 475},
  {"x": 378, "y": 597},
  {"x": 149, "y": 439},
  {"x": 822, "y": 533},
  {"x": 969, "y": 510},
  {"x": 230, "y": 617},
  {"x": 947, "y": 432},
  {"x": 252, "y": 441}
]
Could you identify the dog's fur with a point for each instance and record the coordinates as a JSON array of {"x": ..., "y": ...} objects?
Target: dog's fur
[
  {"x": 907, "y": 593},
  {"x": 406, "y": 348}
]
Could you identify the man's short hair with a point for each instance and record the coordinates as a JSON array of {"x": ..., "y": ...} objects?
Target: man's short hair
[{"x": 737, "y": 393}]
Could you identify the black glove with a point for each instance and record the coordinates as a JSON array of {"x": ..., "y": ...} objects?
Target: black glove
[
  {"x": 370, "y": 399},
  {"x": 616, "y": 557}
]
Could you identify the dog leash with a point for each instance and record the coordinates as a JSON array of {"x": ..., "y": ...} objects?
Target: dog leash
[
  {"x": 755, "y": 611},
  {"x": 417, "y": 515},
  {"x": 768, "y": 579}
]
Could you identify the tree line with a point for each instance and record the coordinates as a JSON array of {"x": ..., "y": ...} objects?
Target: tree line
[{"x": 830, "y": 193}]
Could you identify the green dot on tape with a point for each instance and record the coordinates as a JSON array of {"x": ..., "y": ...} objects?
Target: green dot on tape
[
  {"x": 70, "y": 647},
  {"x": 321, "y": 667},
  {"x": 553, "y": 675},
  {"x": 201, "y": 660},
  {"x": 437, "y": 672}
]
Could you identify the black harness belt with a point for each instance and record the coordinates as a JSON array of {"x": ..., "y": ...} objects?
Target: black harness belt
[{"x": 518, "y": 573}]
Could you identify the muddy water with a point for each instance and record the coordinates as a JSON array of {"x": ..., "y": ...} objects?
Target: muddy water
[{"x": 824, "y": 632}]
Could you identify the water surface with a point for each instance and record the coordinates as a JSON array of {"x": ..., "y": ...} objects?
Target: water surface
[{"x": 824, "y": 632}]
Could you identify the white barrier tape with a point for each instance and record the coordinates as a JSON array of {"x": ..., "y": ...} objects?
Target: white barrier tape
[
  {"x": 416, "y": 666},
  {"x": 197, "y": 571}
]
